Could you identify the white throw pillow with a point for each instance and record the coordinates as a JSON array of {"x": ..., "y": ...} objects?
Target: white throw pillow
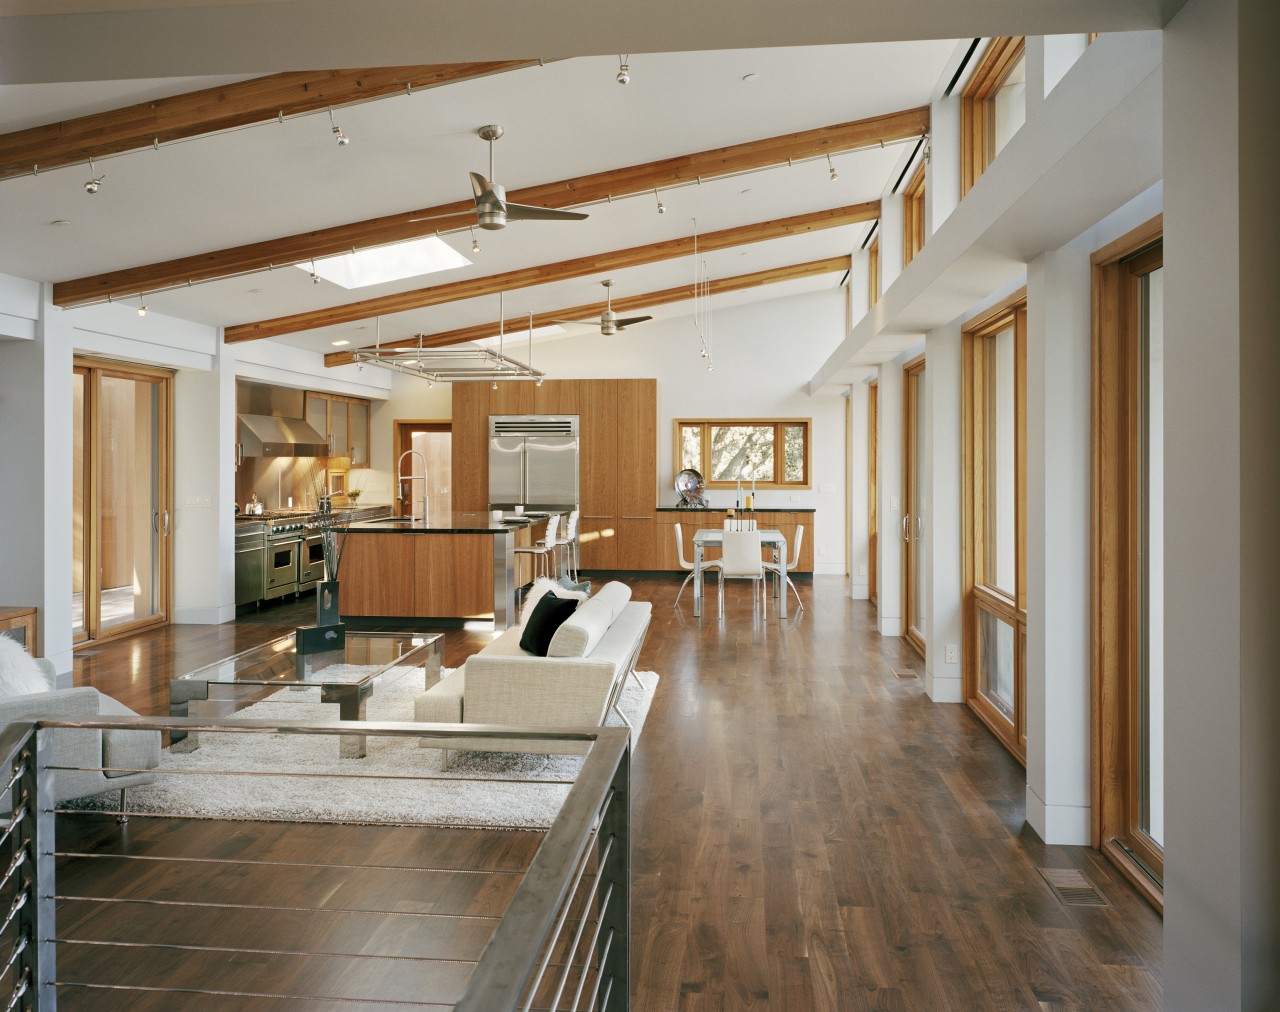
[
  {"x": 20, "y": 675},
  {"x": 541, "y": 586}
]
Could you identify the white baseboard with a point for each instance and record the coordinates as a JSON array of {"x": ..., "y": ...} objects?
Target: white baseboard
[
  {"x": 1068, "y": 825},
  {"x": 860, "y": 592},
  {"x": 890, "y": 626},
  {"x": 204, "y": 616},
  {"x": 829, "y": 568},
  {"x": 944, "y": 688}
]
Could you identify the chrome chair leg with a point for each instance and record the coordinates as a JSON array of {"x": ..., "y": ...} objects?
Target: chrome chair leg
[
  {"x": 681, "y": 590},
  {"x": 123, "y": 817}
]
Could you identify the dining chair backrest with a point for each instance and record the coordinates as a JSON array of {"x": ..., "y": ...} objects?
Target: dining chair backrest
[
  {"x": 794, "y": 561},
  {"x": 553, "y": 524},
  {"x": 571, "y": 528},
  {"x": 741, "y": 554},
  {"x": 739, "y": 524},
  {"x": 684, "y": 563}
]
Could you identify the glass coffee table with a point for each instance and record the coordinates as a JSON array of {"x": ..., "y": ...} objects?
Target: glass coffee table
[{"x": 345, "y": 675}]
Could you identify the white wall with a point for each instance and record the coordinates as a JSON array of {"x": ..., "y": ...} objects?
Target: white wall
[
  {"x": 943, "y": 626},
  {"x": 858, "y": 534},
  {"x": 764, "y": 354}
]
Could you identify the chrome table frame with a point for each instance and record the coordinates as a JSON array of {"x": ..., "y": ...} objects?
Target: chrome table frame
[
  {"x": 714, "y": 536},
  {"x": 189, "y": 693}
]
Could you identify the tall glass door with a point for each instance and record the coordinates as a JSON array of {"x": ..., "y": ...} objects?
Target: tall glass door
[
  {"x": 913, "y": 515},
  {"x": 122, "y": 516}
]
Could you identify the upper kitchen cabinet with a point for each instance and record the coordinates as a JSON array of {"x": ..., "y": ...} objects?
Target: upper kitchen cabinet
[
  {"x": 471, "y": 446},
  {"x": 344, "y": 421}
]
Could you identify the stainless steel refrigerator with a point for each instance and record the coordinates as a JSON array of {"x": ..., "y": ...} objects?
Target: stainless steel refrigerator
[{"x": 533, "y": 462}]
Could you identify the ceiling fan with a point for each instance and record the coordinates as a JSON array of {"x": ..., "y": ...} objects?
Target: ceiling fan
[
  {"x": 609, "y": 323},
  {"x": 492, "y": 206}
]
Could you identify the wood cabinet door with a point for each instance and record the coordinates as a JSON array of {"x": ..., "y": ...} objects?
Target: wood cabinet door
[
  {"x": 470, "y": 446},
  {"x": 377, "y": 575},
  {"x": 637, "y": 542},
  {"x": 317, "y": 414},
  {"x": 555, "y": 397},
  {"x": 598, "y": 542},
  {"x": 598, "y": 449},
  {"x": 515, "y": 397},
  {"x": 637, "y": 465},
  {"x": 359, "y": 433}
]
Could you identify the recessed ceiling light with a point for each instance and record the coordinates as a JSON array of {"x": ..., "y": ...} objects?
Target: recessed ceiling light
[
  {"x": 255, "y": 291},
  {"x": 362, "y": 327},
  {"x": 746, "y": 191},
  {"x": 750, "y": 77},
  {"x": 60, "y": 221},
  {"x": 340, "y": 344}
]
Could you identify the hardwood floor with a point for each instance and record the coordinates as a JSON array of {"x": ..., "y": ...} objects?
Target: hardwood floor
[{"x": 810, "y": 831}]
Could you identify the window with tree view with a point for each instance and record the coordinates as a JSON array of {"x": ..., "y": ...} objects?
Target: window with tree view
[{"x": 772, "y": 452}]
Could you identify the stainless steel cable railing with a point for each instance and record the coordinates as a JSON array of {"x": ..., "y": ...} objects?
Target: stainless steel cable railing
[{"x": 465, "y": 939}]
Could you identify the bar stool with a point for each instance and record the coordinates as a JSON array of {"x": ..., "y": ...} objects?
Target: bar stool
[
  {"x": 544, "y": 551},
  {"x": 570, "y": 545}
]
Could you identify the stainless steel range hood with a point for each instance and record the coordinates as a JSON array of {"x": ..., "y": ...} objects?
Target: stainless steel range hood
[{"x": 269, "y": 436}]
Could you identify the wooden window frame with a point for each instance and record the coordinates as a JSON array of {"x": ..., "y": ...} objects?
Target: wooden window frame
[
  {"x": 913, "y": 230},
  {"x": 1116, "y": 567},
  {"x": 977, "y": 107},
  {"x": 873, "y": 273},
  {"x": 778, "y": 425},
  {"x": 911, "y": 374},
  {"x": 979, "y": 594}
]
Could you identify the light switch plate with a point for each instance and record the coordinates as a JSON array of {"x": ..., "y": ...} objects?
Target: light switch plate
[
  {"x": 895, "y": 504},
  {"x": 199, "y": 502},
  {"x": 862, "y": 570},
  {"x": 795, "y": 498},
  {"x": 827, "y": 488}
]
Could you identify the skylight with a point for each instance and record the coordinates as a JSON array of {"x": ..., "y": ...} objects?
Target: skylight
[
  {"x": 513, "y": 336},
  {"x": 388, "y": 263}
]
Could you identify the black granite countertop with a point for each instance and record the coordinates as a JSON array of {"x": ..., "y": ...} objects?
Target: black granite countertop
[
  {"x": 445, "y": 523},
  {"x": 736, "y": 509}
]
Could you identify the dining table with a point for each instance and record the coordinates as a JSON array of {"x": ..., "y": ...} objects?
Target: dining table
[{"x": 713, "y": 537}]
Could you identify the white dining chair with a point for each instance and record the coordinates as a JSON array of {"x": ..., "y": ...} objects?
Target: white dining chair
[
  {"x": 792, "y": 564},
  {"x": 687, "y": 565},
  {"x": 544, "y": 551},
  {"x": 740, "y": 560},
  {"x": 739, "y": 524}
]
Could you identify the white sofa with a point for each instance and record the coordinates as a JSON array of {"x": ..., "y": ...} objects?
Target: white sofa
[
  {"x": 576, "y": 684},
  {"x": 87, "y": 747}
]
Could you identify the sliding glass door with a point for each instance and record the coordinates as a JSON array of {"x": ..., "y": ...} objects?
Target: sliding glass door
[{"x": 122, "y": 514}]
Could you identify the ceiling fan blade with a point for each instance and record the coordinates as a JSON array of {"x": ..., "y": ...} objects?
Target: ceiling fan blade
[
  {"x": 632, "y": 319},
  {"x": 481, "y": 187},
  {"x": 576, "y": 323},
  {"x": 525, "y": 212},
  {"x": 438, "y": 217}
]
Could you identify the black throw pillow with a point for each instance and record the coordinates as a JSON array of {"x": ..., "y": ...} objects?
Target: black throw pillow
[{"x": 548, "y": 615}]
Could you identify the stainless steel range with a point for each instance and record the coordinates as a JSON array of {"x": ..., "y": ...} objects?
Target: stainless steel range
[{"x": 284, "y": 548}]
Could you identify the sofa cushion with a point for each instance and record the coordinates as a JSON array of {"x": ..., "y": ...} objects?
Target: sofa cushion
[
  {"x": 541, "y": 586},
  {"x": 20, "y": 675},
  {"x": 548, "y": 615},
  {"x": 580, "y": 634}
]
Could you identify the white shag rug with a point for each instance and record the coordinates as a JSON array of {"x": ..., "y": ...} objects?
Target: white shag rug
[{"x": 479, "y": 789}]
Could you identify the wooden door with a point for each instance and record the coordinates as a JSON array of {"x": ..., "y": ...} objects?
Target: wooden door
[{"x": 913, "y": 464}]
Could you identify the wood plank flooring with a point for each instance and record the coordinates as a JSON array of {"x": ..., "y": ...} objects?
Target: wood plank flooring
[{"x": 810, "y": 831}]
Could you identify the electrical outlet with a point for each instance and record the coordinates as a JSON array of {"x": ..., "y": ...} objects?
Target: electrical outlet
[
  {"x": 827, "y": 488},
  {"x": 953, "y": 654},
  {"x": 895, "y": 504},
  {"x": 795, "y": 498},
  {"x": 862, "y": 570},
  {"x": 822, "y": 549}
]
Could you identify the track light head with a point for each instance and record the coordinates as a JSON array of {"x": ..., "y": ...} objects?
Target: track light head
[
  {"x": 475, "y": 245},
  {"x": 359, "y": 367},
  {"x": 342, "y": 139},
  {"x": 494, "y": 385},
  {"x": 142, "y": 309},
  {"x": 710, "y": 367},
  {"x": 624, "y": 72},
  {"x": 538, "y": 382},
  {"x": 93, "y": 185},
  {"x": 834, "y": 175}
]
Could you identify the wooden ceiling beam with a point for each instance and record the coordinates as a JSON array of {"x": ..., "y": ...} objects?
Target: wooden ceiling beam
[
  {"x": 526, "y": 277},
  {"x": 683, "y": 169},
  {"x": 259, "y": 100},
  {"x": 625, "y": 304}
]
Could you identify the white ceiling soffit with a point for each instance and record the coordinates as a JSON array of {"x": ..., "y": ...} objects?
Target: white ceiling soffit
[
  {"x": 69, "y": 40},
  {"x": 1094, "y": 145}
]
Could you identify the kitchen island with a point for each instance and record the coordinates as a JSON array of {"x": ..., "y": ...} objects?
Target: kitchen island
[{"x": 452, "y": 566}]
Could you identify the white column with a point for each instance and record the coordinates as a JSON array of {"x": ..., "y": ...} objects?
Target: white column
[
  {"x": 942, "y": 172},
  {"x": 891, "y": 238},
  {"x": 889, "y": 495},
  {"x": 203, "y": 489},
  {"x": 1059, "y": 331},
  {"x": 857, "y": 463},
  {"x": 1222, "y": 548},
  {"x": 942, "y": 535}
]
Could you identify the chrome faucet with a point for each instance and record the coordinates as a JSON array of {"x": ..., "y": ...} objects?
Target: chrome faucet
[{"x": 402, "y": 478}]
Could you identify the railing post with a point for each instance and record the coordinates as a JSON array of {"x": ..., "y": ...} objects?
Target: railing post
[
  {"x": 615, "y": 928},
  {"x": 35, "y": 834}
]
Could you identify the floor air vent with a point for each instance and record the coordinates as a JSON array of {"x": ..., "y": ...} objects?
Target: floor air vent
[
  {"x": 1072, "y": 888},
  {"x": 904, "y": 673}
]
